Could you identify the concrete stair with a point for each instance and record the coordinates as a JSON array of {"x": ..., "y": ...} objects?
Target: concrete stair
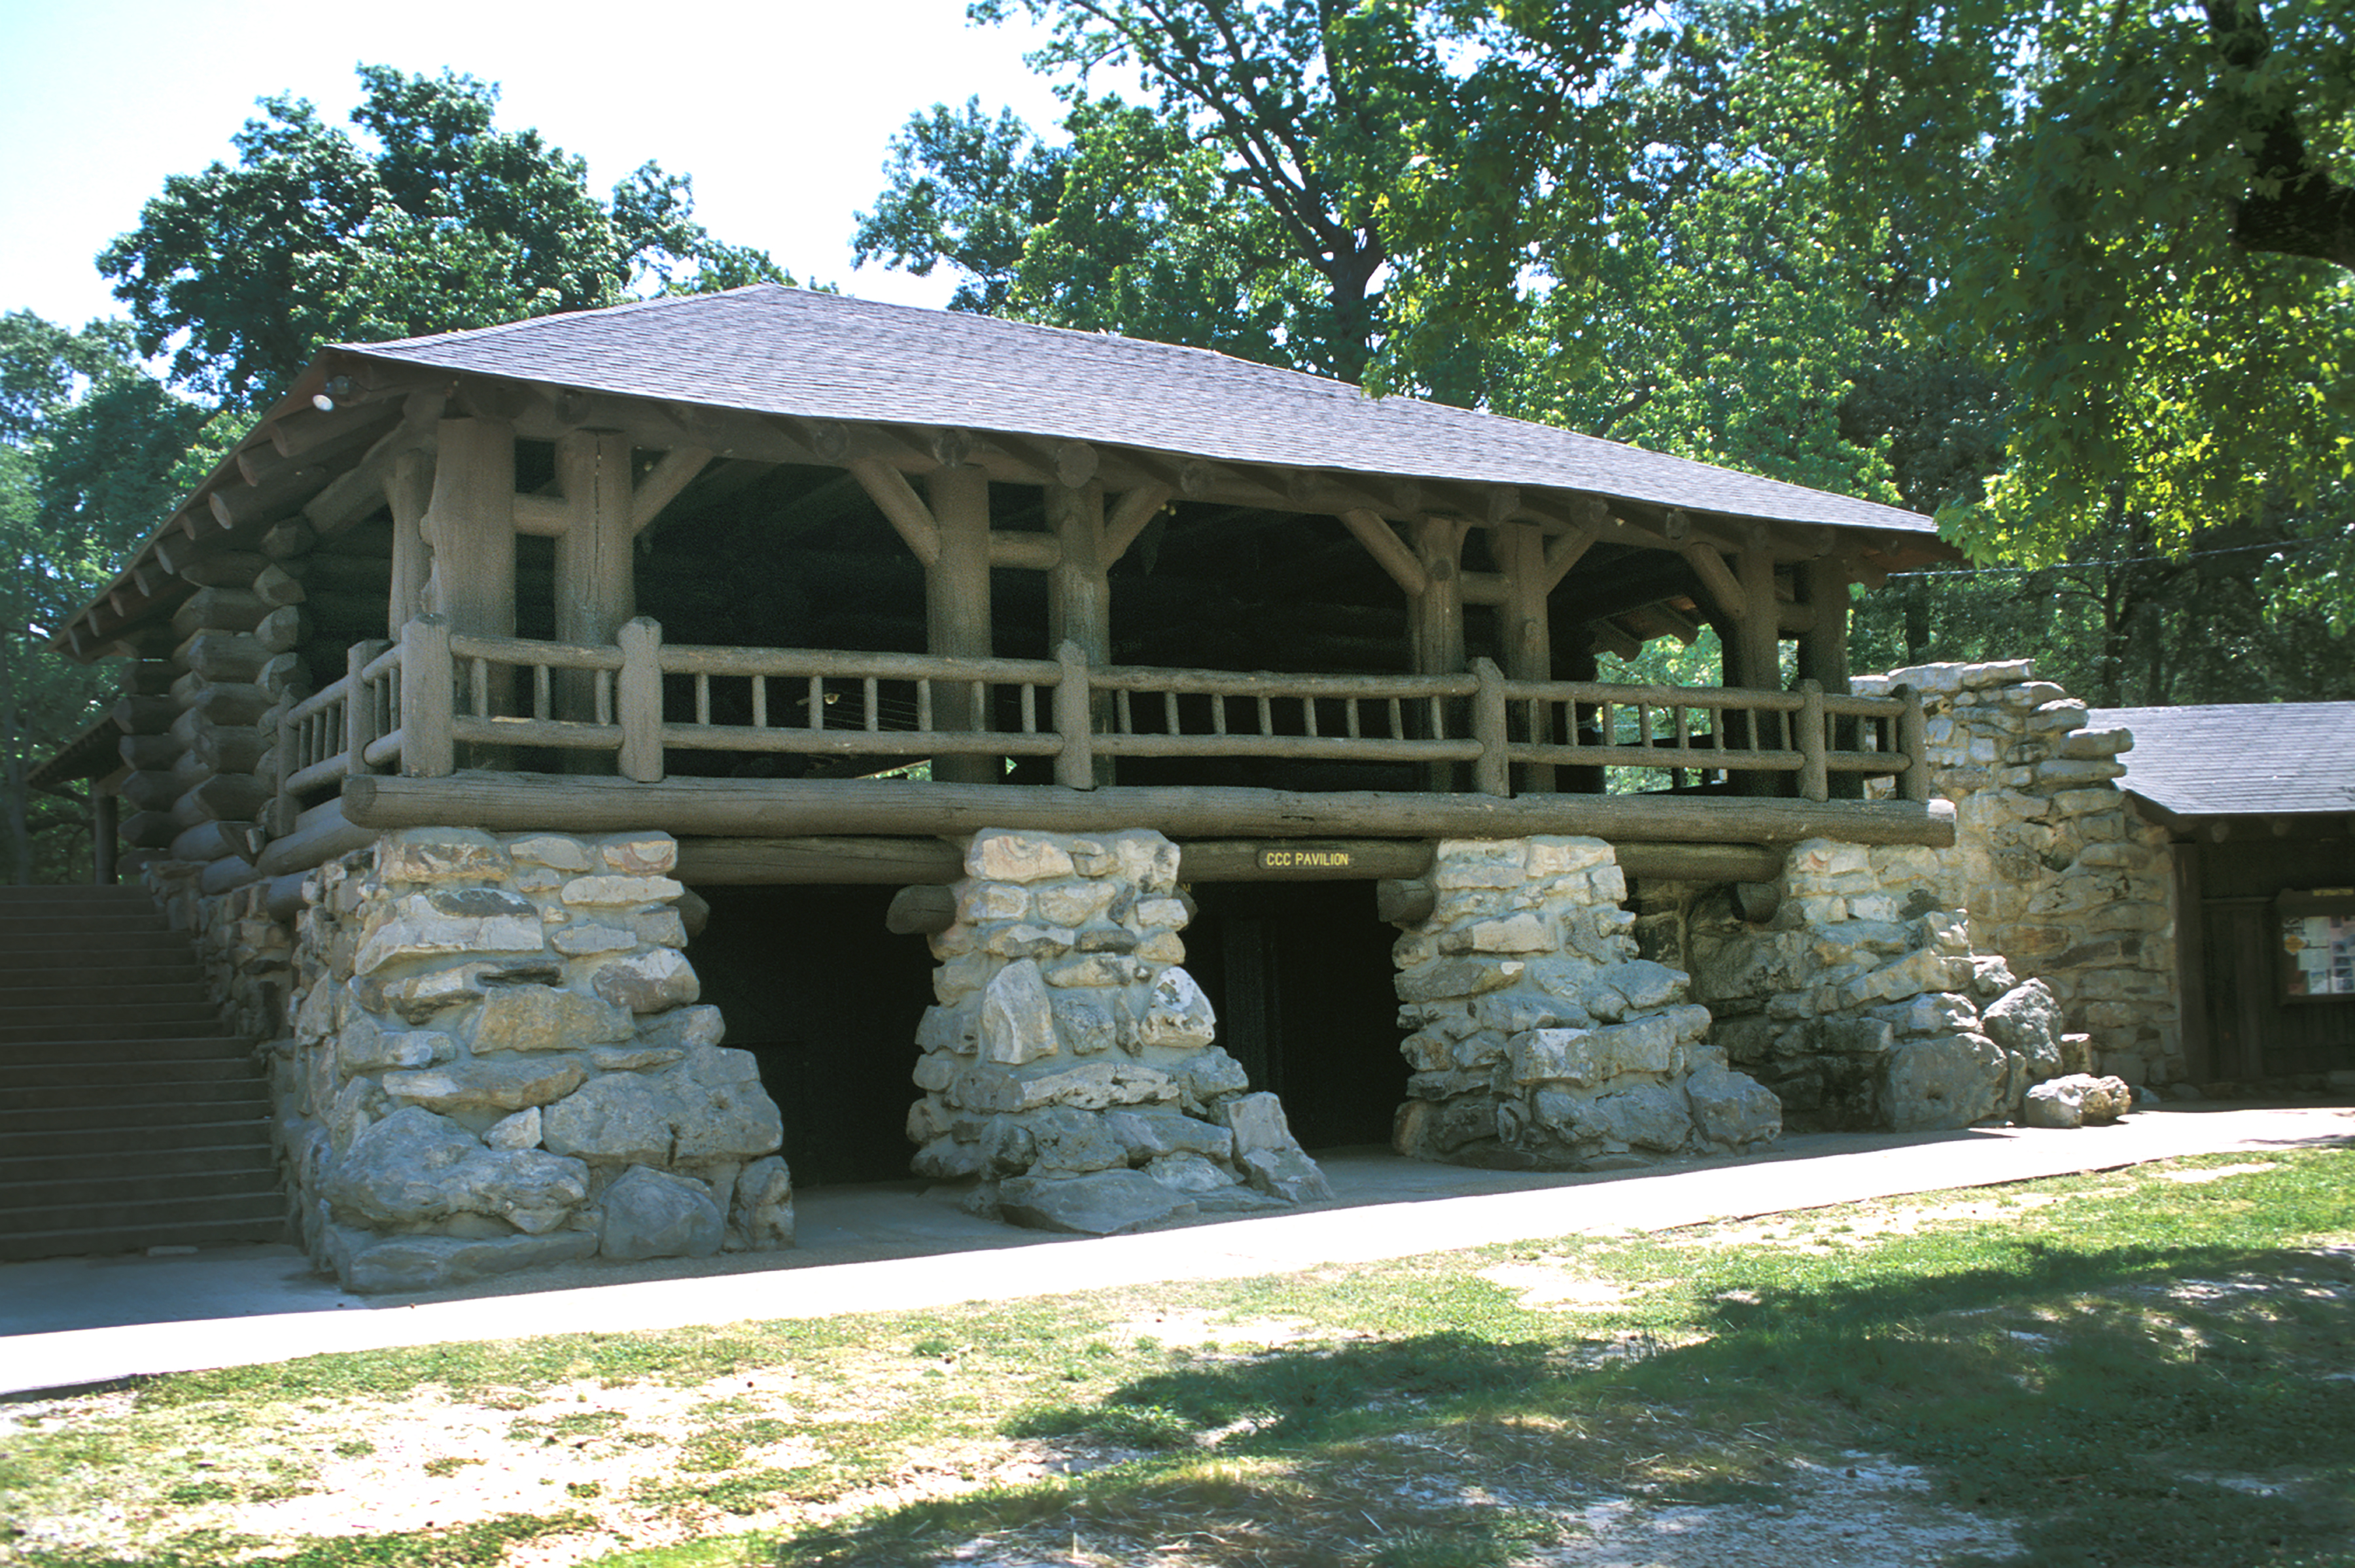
[{"x": 128, "y": 1118}]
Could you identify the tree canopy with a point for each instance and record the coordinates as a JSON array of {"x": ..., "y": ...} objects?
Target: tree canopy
[{"x": 430, "y": 218}]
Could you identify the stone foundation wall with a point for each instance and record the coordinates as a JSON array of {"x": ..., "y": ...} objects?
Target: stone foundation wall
[
  {"x": 1860, "y": 1002},
  {"x": 1540, "y": 1040},
  {"x": 1071, "y": 1076},
  {"x": 2056, "y": 870},
  {"x": 489, "y": 1058}
]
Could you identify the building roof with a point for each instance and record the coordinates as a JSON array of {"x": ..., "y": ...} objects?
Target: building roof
[
  {"x": 774, "y": 350},
  {"x": 2239, "y": 759}
]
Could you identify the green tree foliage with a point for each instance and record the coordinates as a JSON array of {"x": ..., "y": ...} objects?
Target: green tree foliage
[
  {"x": 430, "y": 218},
  {"x": 92, "y": 452}
]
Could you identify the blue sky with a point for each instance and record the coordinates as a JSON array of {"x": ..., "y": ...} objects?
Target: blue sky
[{"x": 779, "y": 110}]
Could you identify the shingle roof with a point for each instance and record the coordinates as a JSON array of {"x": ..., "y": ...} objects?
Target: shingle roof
[
  {"x": 774, "y": 350},
  {"x": 2239, "y": 759}
]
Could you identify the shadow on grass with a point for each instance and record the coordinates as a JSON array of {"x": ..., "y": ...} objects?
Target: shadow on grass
[{"x": 2136, "y": 1406}]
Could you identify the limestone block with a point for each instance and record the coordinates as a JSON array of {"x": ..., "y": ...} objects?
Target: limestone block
[
  {"x": 1102, "y": 1204},
  {"x": 1522, "y": 932},
  {"x": 1161, "y": 948},
  {"x": 2083, "y": 802},
  {"x": 1153, "y": 1133},
  {"x": 417, "y": 997},
  {"x": 999, "y": 856},
  {"x": 647, "y": 982},
  {"x": 633, "y": 1058},
  {"x": 1146, "y": 860},
  {"x": 587, "y": 941},
  {"x": 367, "y": 1264},
  {"x": 555, "y": 851},
  {"x": 415, "y": 1166},
  {"x": 1933, "y": 1012},
  {"x": 1479, "y": 863},
  {"x": 1288, "y": 1175},
  {"x": 1104, "y": 936},
  {"x": 353, "y": 1109},
  {"x": 1022, "y": 941},
  {"x": 2057, "y": 717},
  {"x": 366, "y": 1046},
  {"x": 1556, "y": 856},
  {"x": 1096, "y": 969},
  {"x": 1925, "y": 970},
  {"x": 505, "y": 1084},
  {"x": 1589, "y": 1058},
  {"x": 1083, "y": 1023},
  {"x": 1519, "y": 1011},
  {"x": 1648, "y": 1116},
  {"x": 1732, "y": 1109},
  {"x": 1452, "y": 977},
  {"x": 2095, "y": 745},
  {"x": 605, "y": 890},
  {"x": 1208, "y": 1077},
  {"x": 639, "y": 854},
  {"x": 1851, "y": 941},
  {"x": 1188, "y": 1173},
  {"x": 439, "y": 855},
  {"x": 1089, "y": 1086},
  {"x": 934, "y": 1071},
  {"x": 947, "y": 1159},
  {"x": 760, "y": 1217},
  {"x": 451, "y": 920},
  {"x": 1635, "y": 986},
  {"x": 1434, "y": 1130},
  {"x": 928, "y": 1118},
  {"x": 1177, "y": 1014},
  {"x": 1950, "y": 1082},
  {"x": 1990, "y": 977},
  {"x": 981, "y": 901},
  {"x": 1018, "y": 1020},
  {"x": 2077, "y": 1053},
  {"x": 1076, "y": 904},
  {"x": 710, "y": 1106},
  {"x": 650, "y": 1214},
  {"x": 1062, "y": 1138},
  {"x": 2027, "y": 1019},
  {"x": 541, "y": 1017},
  {"x": 954, "y": 1028},
  {"x": 685, "y": 1029},
  {"x": 518, "y": 1131}
]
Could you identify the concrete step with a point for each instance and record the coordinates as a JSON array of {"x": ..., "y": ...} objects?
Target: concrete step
[
  {"x": 109, "y": 1076},
  {"x": 64, "y": 1194},
  {"x": 128, "y": 951},
  {"x": 127, "y": 922},
  {"x": 157, "y": 1048},
  {"x": 138, "y": 1235},
  {"x": 140, "y": 985},
  {"x": 175, "y": 1021},
  {"x": 78, "y": 1107},
  {"x": 153, "y": 1141},
  {"x": 242, "y": 1148}
]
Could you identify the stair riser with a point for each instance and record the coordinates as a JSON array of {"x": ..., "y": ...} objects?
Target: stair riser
[
  {"x": 161, "y": 1048},
  {"x": 98, "y": 1163},
  {"x": 75, "y": 1111},
  {"x": 108, "y": 992},
  {"x": 185, "y": 1187},
  {"x": 133, "y": 1142},
  {"x": 25, "y": 951},
  {"x": 271, "y": 1205},
  {"x": 138, "y": 1238},
  {"x": 93, "y": 1012}
]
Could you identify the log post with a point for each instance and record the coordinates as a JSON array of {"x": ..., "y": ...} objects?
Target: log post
[
  {"x": 1914, "y": 740},
  {"x": 429, "y": 680},
  {"x": 104, "y": 813},
  {"x": 1075, "y": 765},
  {"x": 1524, "y": 633},
  {"x": 470, "y": 523},
  {"x": 1823, "y": 651},
  {"x": 1436, "y": 615},
  {"x": 638, "y": 700},
  {"x": 1079, "y": 594},
  {"x": 408, "y": 493},
  {"x": 359, "y": 713},
  {"x": 958, "y": 610},
  {"x": 1815, "y": 772},
  {"x": 596, "y": 590},
  {"x": 1754, "y": 656},
  {"x": 1492, "y": 774}
]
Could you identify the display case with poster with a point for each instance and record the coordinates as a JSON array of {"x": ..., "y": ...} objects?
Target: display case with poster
[{"x": 2318, "y": 943}]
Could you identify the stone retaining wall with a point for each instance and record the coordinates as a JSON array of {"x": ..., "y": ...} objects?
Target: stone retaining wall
[
  {"x": 1071, "y": 1076},
  {"x": 1540, "y": 1040},
  {"x": 489, "y": 1058},
  {"x": 2056, "y": 870}
]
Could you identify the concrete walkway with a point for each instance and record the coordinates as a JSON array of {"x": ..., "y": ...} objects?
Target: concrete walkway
[{"x": 73, "y": 1322}]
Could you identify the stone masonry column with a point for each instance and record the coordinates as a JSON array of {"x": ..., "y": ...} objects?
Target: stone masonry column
[
  {"x": 1540, "y": 1042},
  {"x": 1071, "y": 1076}
]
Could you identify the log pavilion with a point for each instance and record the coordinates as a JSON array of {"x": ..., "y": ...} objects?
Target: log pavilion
[{"x": 813, "y": 584}]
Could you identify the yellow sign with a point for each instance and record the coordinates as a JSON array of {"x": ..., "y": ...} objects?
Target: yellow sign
[{"x": 1304, "y": 859}]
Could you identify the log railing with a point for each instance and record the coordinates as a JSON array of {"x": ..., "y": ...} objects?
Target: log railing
[{"x": 410, "y": 707}]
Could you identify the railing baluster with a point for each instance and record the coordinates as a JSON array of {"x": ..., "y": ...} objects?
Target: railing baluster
[
  {"x": 816, "y": 702},
  {"x": 1029, "y": 707},
  {"x": 1120, "y": 708},
  {"x": 760, "y": 702},
  {"x": 1308, "y": 715},
  {"x": 427, "y": 749},
  {"x": 1169, "y": 712},
  {"x": 540, "y": 704},
  {"x": 874, "y": 699},
  {"x": 1349, "y": 713},
  {"x": 924, "y": 703},
  {"x": 601, "y": 696},
  {"x": 703, "y": 698},
  {"x": 638, "y": 696},
  {"x": 1398, "y": 719},
  {"x": 1815, "y": 765},
  {"x": 481, "y": 686},
  {"x": 1218, "y": 714}
]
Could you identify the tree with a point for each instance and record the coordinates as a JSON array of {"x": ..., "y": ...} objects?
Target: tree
[
  {"x": 92, "y": 452},
  {"x": 432, "y": 220}
]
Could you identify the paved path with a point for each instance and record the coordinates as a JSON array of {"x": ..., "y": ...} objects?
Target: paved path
[{"x": 78, "y": 1321}]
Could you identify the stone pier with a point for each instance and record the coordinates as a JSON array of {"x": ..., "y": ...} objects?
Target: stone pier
[
  {"x": 495, "y": 1061},
  {"x": 1539, "y": 1039},
  {"x": 1070, "y": 1075}
]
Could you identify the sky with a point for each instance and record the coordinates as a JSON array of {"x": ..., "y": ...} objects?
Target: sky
[{"x": 780, "y": 111}]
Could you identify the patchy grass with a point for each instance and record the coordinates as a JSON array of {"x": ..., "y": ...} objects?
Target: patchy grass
[{"x": 2147, "y": 1368}]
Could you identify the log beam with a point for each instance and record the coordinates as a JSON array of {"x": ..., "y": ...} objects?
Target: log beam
[{"x": 765, "y": 808}]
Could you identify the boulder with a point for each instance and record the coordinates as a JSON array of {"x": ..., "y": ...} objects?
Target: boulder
[
  {"x": 414, "y": 1168},
  {"x": 496, "y": 1084},
  {"x": 1949, "y": 1081},
  {"x": 1649, "y": 1115},
  {"x": 1177, "y": 1014},
  {"x": 2027, "y": 1019},
  {"x": 1018, "y": 1020},
  {"x": 542, "y": 1018},
  {"x": 1265, "y": 1152},
  {"x": 1733, "y": 1108},
  {"x": 2077, "y": 1099},
  {"x": 710, "y": 1106},
  {"x": 652, "y": 1213},
  {"x": 1102, "y": 1204},
  {"x": 647, "y": 982},
  {"x": 761, "y": 1217},
  {"x": 369, "y": 1264}
]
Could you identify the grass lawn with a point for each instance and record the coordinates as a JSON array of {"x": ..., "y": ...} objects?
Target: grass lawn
[{"x": 2143, "y": 1366}]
